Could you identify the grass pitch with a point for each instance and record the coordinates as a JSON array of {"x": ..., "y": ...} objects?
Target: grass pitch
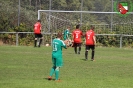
[{"x": 28, "y": 67}]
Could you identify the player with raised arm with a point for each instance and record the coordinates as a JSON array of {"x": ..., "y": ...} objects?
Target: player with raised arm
[
  {"x": 90, "y": 42},
  {"x": 57, "y": 59},
  {"x": 77, "y": 34}
]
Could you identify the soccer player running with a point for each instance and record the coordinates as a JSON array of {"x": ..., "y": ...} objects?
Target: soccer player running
[
  {"x": 90, "y": 41},
  {"x": 77, "y": 34},
  {"x": 37, "y": 33},
  {"x": 57, "y": 59}
]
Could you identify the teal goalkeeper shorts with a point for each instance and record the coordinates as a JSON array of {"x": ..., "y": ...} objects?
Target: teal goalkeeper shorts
[{"x": 57, "y": 60}]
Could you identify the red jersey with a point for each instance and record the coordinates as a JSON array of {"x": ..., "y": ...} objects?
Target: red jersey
[
  {"x": 37, "y": 28},
  {"x": 89, "y": 37},
  {"x": 77, "y": 35}
]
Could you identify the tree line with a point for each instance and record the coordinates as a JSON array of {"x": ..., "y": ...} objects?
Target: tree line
[{"x": 29, "y": 8}]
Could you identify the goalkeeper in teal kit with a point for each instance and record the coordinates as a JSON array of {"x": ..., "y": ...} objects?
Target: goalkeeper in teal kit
[
  {"x": 66, "y": 36},
  {"x": 66, "y": 33},
  {"x": 57, "y": 59}
]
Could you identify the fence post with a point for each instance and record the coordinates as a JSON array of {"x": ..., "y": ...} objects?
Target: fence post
[
  {"x": 16, "y": 38},
  {"x": 121, "y": 40}
]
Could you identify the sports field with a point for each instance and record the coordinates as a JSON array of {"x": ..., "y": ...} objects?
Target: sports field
[{"x": 28, "y": 67}]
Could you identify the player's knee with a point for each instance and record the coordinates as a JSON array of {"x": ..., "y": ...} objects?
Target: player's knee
[
  {"x": 87, "y": 50},
  {"x": 57, "y": 68},
  {"x": 35, "y": 38},
  {"x": 93, "y": 50}
]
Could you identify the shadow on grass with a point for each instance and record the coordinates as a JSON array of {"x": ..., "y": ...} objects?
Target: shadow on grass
[
  {"x": 86, "y": 60},
  {"x": 83, "y": 59},
  {"x": 48, "y": 79}
]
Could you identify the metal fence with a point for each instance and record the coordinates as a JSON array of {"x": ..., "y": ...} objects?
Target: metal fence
[{"x": 121, "y": 36}]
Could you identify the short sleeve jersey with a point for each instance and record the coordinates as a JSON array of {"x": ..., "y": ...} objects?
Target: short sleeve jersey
[
  {"x": 77, "y": 35},
  {"x": 57, "y": 45},
  {"x": 89, "y": 37},
  {"x": 37, "y": 28},
  {"x": 66, "y": 34}
]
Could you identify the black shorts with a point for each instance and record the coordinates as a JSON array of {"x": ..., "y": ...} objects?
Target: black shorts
[
  {"x": 77, "y": 44},
  {"x": 88, "y": 47},
  {"x": 38, "y": 35}
]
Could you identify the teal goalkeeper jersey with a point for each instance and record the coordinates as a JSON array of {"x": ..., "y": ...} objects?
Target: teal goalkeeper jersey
[
  {"x": 57, "y": 46},
  {"x": 66, "y": 34}
]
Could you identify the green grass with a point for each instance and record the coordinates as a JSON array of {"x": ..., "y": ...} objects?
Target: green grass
[{"x": 28, "y": 67}]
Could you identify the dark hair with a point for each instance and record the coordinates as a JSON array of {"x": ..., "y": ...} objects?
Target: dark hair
[
  {"x": 77, "y": 26},
  {"x": 92, "y": 27},
  {"x": 59, "y": 35},
  {"x": 68, "y": 27},
  {"x": 38, "y": 20}
]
